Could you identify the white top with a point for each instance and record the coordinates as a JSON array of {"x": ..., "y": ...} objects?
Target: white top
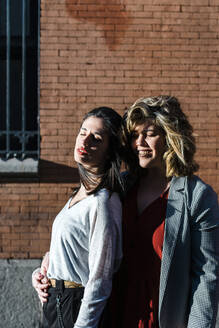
[{"x": 86, "y": 247}]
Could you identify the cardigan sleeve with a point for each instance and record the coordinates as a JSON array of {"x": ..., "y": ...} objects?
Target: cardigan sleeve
[
  {"x": 204, "y": 298},
  {"x": 105, "y": 252}
]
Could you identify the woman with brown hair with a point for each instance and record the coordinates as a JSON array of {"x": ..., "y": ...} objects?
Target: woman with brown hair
[{"x": 85, "y": 248}]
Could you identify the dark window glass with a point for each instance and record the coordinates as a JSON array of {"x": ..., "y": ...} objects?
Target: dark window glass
[{"x": 19, "y": 33}]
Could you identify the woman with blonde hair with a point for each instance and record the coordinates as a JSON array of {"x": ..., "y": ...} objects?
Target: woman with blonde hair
[{"x": 170, "y": 272}]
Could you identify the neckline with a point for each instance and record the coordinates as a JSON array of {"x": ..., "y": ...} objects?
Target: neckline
[
  {"x": 83, "y": 199},
  {"x": 163, "y": 195},
  {"x": 79, "y": 201}
]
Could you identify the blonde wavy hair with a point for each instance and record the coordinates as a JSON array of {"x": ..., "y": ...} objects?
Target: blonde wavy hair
[{"x": 165, "y": 112}]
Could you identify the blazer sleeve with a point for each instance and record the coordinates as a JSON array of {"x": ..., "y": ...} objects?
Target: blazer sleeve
[{"x": 204, "y": 297}]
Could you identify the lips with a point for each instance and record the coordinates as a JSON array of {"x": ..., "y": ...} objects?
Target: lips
[{"x": 82, "y": 151}]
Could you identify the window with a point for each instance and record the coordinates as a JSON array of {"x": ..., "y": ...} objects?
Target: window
[{"x": 19, "y": 128}]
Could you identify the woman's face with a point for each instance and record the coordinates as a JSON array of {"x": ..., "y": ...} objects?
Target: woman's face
[
  {"x": 148, "y": 143},
  {"x": 91, "y": 144}
]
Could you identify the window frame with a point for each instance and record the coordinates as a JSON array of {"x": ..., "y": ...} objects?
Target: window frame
[{"x": 25, "y": 165}]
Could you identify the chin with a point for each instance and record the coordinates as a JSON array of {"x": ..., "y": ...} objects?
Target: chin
[
  {"x": 76, "y": 159},
  {"x": 144, "y": 164},
  {"x": 79, "y": 160}
]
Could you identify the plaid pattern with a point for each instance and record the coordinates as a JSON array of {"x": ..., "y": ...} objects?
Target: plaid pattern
[{"x": 189, "y": 283}]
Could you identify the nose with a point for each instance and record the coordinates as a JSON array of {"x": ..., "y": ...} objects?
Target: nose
[
  {"x": 87, "y": 140},
  {"x": 141, "y": 140}
]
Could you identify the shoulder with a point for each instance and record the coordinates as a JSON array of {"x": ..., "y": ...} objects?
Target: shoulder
[
  {"x": 199, "y": 197},
  {"x": 108, "y": 207},
  {"x": 105, "y": 195},
  {"x": 102, "y": 196},
  {"x": 191, "y": 184},
  {"x": 201, "y": 194},
  {"x": 201, "y": 190},
  {"x": 106, "y": 200},
  {"x": 194, "y": 190},
  {"x": 196, "y": 183}
]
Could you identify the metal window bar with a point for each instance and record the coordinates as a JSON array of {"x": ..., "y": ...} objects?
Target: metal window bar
[
  {"x": 23, "y": 72},
  {"x": 8, "y": 52},
  {"x": 22, "y": 134}
]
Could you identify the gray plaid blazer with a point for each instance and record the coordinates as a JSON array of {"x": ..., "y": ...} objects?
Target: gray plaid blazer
[{"x": 189, "y": 281}]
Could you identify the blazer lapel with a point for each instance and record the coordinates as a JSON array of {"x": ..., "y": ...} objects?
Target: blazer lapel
[{"x": 172, "y": 224}]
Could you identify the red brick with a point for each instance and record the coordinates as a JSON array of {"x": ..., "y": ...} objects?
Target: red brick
[{"x": 109, "y": 54}]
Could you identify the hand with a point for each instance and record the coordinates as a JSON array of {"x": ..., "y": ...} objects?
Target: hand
[
  {"x": 40, "y": 281},
  {"x": 41, "y": 284}
]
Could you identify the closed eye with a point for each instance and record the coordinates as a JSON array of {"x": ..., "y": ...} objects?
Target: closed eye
[
  {"x": 151, "y": 134},
  {"x": 97, "y": 138}
]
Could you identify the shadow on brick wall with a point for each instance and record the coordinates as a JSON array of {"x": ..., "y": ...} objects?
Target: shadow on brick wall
[
  {"x": 57, "y": 173},
  {"x": 48, "y": 172}
]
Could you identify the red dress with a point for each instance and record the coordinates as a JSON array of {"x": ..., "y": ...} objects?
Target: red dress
[{"x": 139, "y": 277}]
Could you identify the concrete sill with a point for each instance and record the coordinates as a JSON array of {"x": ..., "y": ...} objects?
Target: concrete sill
[{"x": 13, "y": 165}]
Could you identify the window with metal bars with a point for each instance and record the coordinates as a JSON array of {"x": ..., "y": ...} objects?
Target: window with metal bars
[{"x": 19, "y": 52}]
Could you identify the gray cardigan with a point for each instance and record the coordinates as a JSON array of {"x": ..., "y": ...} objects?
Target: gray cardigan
[{"x": 189, "y": 281}]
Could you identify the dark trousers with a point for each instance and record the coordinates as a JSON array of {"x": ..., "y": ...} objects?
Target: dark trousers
[{"x": 63, "y": 305}]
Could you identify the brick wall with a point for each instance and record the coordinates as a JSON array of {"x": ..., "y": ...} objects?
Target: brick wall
[{"x": 110, "y": 52}]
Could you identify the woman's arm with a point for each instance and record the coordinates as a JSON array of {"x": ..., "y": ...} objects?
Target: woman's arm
[
  {"x": 104, "y": 255},
  {"x": 204, "y": 298}
]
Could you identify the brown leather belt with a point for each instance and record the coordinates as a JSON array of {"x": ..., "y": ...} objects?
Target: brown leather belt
[{"x": 67, "y": 284}]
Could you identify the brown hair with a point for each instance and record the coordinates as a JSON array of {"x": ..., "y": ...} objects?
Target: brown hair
[{"x": 110, "y": 179}]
